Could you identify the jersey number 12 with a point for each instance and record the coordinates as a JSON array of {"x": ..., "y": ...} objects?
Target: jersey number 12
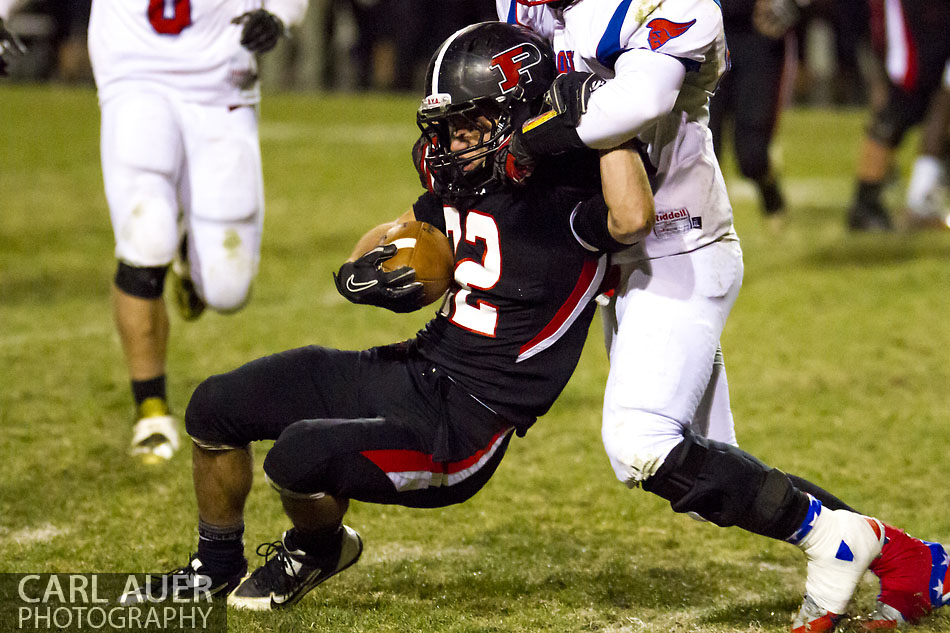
[{"x": 481, "y": 318}]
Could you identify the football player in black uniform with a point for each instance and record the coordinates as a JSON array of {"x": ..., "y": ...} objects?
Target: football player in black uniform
[
  {"x": 422, "y": 423},
  {"x": 915, "y": 52},
  {"x": 747, "y": 104}
]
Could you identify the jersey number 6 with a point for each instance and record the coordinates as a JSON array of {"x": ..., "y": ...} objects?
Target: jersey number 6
[
  {"x": 169, "y": 17},
  {"x": 469, "y": 273}
]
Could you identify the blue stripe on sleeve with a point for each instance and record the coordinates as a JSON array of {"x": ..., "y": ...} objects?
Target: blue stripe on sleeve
[
  {"x": 608, "y": 49},
  {"x": 512, "y": 11}
]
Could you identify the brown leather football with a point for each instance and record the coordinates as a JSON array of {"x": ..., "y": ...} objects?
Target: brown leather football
[{"x": 426, "y": 250}]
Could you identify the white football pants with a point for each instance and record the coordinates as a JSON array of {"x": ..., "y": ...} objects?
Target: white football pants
[
  {"x": 165, "y": 161},
  {"x": 662, "y": 332}
]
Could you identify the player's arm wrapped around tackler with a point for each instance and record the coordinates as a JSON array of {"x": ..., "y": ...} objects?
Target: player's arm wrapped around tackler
[
  {"x": 363, "y": 281},
  {"x": 624, "y": 214},
  {"x": 555, "y": 130},
  {"x": 10, "y": 45}
]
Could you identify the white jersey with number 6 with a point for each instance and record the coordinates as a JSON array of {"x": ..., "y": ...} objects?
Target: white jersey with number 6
[{"x": 186, "y": 47}]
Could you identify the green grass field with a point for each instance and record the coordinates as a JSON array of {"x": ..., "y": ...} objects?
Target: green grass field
[{"x": 837, "y": 353}]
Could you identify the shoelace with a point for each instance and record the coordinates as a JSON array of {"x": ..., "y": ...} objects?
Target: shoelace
[
  {"x": 282, "y": 571},
  {"x": 159, "y": 585},
  {"x": 186, "y": 570}
]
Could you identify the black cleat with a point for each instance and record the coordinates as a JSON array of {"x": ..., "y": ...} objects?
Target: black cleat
[
  {"x": 286, "y": 576},
  {"x": 869, "y": 218},
  {"x": 190, "y": 583}
]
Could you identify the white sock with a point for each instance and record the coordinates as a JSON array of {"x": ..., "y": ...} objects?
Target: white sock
[{"x": 924, "y": 180}]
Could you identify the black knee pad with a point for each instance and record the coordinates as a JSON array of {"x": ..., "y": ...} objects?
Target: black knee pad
[
  {"x": 288, "y": 465},
  {"x": 207, "y": 419},
  {"x": 145, "y": 282},
  {"x": 313, "y": 456},
  {"x": 727, "y": 486}
]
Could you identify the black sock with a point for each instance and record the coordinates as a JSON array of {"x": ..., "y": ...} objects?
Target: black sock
[
  {"x": 772, "y": 199},
  {"x": 827, "y": 499},
  {"x": 152, "y": 388},
  {"x": 221, "y": 549},
  {"x": 869, "y": 194},
  {"x": 321, "y": 543}
]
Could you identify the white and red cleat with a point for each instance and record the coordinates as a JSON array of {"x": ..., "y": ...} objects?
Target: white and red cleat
[
  {"x": 813, "y": 619},
  {"x": 840, "y": 546},
  {"x": 915, "y": 580}
]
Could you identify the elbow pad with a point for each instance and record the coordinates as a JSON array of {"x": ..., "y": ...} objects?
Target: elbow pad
[{"x": 589, "y": 225}]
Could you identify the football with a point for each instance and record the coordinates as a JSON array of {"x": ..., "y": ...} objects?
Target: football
[{"x": 426, "y": 250}]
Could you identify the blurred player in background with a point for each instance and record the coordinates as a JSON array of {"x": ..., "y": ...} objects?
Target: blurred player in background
[
  {"x": 912, "y": 39},
  {"x": 643, "y": 72},
  {"x": 749, "y": 98},
  {"x": 927, "y": 200},
  {"x": 10, "y": 44},
  {"x": 178, "y": 90},
  {"x": 423, "y": 423}
]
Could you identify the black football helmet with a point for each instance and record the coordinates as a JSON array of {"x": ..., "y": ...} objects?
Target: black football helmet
[{"x": 493, "y": 70}]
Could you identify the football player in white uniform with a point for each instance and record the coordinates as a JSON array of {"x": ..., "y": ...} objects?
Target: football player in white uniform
[
  {"x": 645, "y": 70},
  {"x": 926, "y": 201},
  {"x": 10, "y": 44},
  {"x": 178, "y": 91}
]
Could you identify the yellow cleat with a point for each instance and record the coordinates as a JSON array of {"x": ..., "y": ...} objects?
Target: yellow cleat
[{"x": 155, "y": 434}]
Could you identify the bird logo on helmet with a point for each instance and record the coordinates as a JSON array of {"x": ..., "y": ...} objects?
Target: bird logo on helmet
[{"x": 489, "y": 74}]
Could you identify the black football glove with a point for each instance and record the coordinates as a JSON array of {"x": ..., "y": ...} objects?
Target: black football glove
[
  {"x": 553, "y": 131},
  {"x": 570, "y": 92},
  {"x": 261, "y": 31},
  {"x": 10, "y": 45},
  {"x": 364, "y": 282}
]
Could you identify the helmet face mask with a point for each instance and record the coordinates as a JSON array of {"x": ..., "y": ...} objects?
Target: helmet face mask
[
  {"x": 476, "y": 130},
  {"x": 483, "y": 83}
]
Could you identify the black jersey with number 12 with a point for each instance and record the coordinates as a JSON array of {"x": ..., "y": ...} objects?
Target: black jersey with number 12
[{"x": 515, "y": 320}]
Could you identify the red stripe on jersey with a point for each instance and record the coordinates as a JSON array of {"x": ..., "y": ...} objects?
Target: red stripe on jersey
[
  {"x": 401, "y": 461},
  {"x": 909, "y": 82},
  {"x": 584, "y": 291},
  {"x": 889, "y": 27}
]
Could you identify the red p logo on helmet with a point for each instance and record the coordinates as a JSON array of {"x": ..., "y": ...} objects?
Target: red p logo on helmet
[{"x": 515, "y": 62}]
